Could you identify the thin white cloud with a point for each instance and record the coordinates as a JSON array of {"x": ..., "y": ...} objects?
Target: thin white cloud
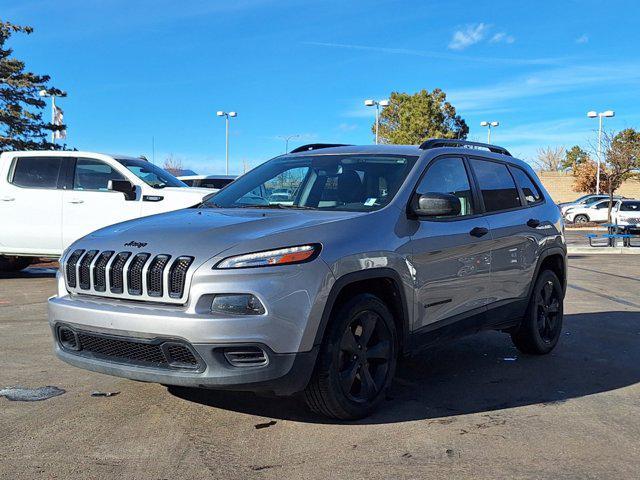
[
  {"x": 544, "y": 83},
  {"x": 502, "y": 37},
  {"x": 347, "y": 127},
  {"x": 469, "y": 35},
  {"x": 584, "y": 38},
  {"x": 441, "y": 55}
]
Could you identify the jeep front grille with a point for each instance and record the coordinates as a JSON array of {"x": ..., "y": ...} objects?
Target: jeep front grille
[{"x": 141, "y": 276}]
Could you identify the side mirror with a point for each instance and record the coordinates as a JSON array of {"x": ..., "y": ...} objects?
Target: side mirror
[
  {"x": 434, "y": 204},
  {"x": 123, "y": 186}
]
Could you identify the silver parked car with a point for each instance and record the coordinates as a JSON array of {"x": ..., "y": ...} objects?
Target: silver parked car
[{"x": 382, "y": 251}]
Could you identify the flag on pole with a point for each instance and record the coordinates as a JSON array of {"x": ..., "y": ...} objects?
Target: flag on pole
[{"x": 58, "y": 119}]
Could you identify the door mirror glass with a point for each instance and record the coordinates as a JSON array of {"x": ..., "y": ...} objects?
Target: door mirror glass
[
  {"x": 123, "y": 186},
  {"x": 433, "y": 204}
]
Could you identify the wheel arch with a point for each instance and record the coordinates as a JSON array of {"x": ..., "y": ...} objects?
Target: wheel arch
[
  {"x": 384, "y": 283},
  {"x": 554, "y": 259}
]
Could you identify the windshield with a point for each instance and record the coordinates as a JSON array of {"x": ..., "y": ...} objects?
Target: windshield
[
  {"x": 322, "y": 182},
  {"x": 150, "y": 174}
]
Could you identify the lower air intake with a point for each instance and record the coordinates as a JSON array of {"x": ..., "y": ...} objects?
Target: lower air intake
[{"x": 246, "y": 356}]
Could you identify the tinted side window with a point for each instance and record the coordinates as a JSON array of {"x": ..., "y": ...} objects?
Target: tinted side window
[
  {"x": 94, "y": 175},
  {"x": 448, "y": 175},
  {"x": 189, "y": 183},
  {"x": 599, "y": 206},
  {"x": 498, "y": 190},
  {"x": 630, "y": 207},
  {"x": 528, "y": 187},
  {"x": 37, "y": 172}
]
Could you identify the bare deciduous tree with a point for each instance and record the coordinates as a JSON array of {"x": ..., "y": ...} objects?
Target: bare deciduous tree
[
  {"x": 550, "y": 159},
  {"x": 173, "y": 164}
]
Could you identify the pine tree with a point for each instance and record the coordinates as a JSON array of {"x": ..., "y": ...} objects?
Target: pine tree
[{"x": 21, "y": 107}]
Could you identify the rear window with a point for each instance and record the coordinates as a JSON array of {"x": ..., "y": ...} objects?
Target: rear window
[
  {"x": 37, "y": 172},
  {"x": 215, "y": 182},
  {"x": 497, "y": 187},
  {"x": 527, "y": 185}
]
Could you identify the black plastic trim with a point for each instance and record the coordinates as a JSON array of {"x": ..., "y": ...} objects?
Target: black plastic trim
[{"x": 353, "y": 277}]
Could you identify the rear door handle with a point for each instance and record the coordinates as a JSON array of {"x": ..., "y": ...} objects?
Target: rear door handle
[
  {"x": 7, "y": 199},
  {"x": 76, "y": 200},
  {"x": 533, "y": 223},
  {"x": 478, "y": 232}
]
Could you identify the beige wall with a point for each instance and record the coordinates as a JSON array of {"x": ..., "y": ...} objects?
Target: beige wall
[{"x": 559, "y": 185}]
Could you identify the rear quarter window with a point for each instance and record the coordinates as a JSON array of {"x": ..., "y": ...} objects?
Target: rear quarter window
[{"x": 527, "y": 185}]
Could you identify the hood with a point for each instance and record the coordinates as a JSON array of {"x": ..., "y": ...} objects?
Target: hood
[{"x": 204, "y": 233}]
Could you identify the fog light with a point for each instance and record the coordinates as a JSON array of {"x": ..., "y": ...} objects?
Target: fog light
[{"x": 237, "y": 304}]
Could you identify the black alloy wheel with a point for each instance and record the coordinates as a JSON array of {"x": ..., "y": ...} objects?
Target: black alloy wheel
[
  {"x": 357, "y": 360},
  {"x": 540, "y": 329}
]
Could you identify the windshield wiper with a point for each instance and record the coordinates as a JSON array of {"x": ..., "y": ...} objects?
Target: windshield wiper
[{"x": 295, "y": 207}]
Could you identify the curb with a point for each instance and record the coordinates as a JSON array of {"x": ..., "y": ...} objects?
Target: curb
[{"x": 603, "y": 251}]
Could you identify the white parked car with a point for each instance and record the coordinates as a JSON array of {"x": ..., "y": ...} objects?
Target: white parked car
[
  {"x": 48, "y": 199},
  {"x": 213, "y": 182},
  {"x": 596, "y": 212},
  {"x": 584, "y": 201},
  {"x": 627, "y": 212}
]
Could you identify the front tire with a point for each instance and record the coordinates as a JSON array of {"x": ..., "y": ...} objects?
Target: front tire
[
  {"x": 357, "y": 360},
  {"x": 540, "y": 329},
  {"x": 581, "y": 219},
  {"x": 14, "y": 264}
]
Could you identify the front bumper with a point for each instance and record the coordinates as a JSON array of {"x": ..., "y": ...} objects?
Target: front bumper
[{"x": 282, "y": 374}]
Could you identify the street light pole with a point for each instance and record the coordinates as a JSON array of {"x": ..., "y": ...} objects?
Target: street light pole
[
  {"x": 377, "y": 104},
  {"x": 489, "y": 125},
  {"x": 221, "y": 113},
  {"x": 286, "y": 141},
  {"x": 601, "y": 115}
]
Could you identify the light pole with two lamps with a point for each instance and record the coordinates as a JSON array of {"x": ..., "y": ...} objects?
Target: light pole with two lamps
[
  {"x": 221, "y": 113},
  {"x": 489, "y": 125},
  {"x": 377, "y": 104},
  {"x": 286, "y": 141},
  {"x": 600, "y": 116}
]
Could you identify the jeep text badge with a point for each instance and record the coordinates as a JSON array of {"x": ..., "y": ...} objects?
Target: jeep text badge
[{"x": 135, "y": 244}]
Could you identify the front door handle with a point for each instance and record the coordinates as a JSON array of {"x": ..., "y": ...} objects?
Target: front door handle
[
  {"x": 7, "y": 199},
  {"x": 76, "y": 200},
  {"x": 533, "y": 223},
  {"x": 478, "y": 232}
]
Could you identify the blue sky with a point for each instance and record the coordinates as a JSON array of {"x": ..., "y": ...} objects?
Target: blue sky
[{"x": 137, "y": 70}]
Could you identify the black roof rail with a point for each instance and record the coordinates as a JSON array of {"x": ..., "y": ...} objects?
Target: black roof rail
[
  {"x": 317, "y": 146},
  {"x": 452, "y": 142}
]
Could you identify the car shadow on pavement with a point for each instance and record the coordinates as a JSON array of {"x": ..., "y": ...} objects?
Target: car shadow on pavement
[
  {"x": 31, "y": 272},
  {"x": 598, "y": 352}
]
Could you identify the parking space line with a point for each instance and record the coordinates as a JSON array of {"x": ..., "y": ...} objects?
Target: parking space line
[{"x": 607, "y": 297}]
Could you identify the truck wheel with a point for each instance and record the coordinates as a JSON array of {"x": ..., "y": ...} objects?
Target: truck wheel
[
  {"x": 541, "y": 326},
  {"x": 581, "y": 219},
  {"x": 357, "y": 360},
  {"x": 13, "y": 264}
]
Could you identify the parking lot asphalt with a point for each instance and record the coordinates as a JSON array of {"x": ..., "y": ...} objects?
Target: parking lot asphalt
[{"x": 474, "y": 408}]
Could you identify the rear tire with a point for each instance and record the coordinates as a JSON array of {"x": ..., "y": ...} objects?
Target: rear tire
[
  {"x": 14, "y": 264},
  {"x": 357, "y": 360},
  {"x": 540, "y": 329},
  {"x": 580, "y": 219}
]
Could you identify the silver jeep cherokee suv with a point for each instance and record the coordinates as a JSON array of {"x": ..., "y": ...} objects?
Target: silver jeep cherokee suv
[{"x": 379, "y": 251}]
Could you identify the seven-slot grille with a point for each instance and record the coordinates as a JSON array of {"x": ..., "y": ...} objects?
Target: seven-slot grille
[{"x": 127, "y": 275}]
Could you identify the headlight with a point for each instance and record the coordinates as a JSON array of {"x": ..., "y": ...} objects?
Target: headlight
[{"x": 269, "y": 258}]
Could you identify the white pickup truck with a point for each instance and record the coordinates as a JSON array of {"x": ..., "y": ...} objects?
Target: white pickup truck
[{"x": 48, "y": 199}]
